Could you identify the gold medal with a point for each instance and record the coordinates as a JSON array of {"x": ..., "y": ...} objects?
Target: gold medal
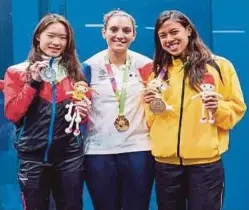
[
  {"x": 121, "y": 123},
  {"x": 157, "y": 105}
]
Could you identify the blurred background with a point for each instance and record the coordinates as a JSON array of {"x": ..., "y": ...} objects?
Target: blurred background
[{"x": 222, "y": 24}]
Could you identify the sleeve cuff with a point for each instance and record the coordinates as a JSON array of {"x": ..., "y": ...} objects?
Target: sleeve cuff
[{"x": 35, "y": 84}]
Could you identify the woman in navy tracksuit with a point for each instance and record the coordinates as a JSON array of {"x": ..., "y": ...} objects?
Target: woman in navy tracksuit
[{"x": 50, "y": 159}]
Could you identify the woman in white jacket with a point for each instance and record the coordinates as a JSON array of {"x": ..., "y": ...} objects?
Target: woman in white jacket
[{"x": 119, "y": 165}]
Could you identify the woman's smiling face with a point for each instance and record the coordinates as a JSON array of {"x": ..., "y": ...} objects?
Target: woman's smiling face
[
  {"x": 119, "y": 33},
  {"x": 174, "y": 37}
]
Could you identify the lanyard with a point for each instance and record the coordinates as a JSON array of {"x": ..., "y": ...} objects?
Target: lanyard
[
  {"x": 120, "y": 95},
  {"x": 161, "y": 74}
]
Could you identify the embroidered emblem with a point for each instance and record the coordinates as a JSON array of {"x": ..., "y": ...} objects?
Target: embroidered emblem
[{"x": 102, "y": 74}]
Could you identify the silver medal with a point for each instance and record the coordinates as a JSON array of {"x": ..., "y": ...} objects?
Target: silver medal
[{"x": 48, "y": 74}]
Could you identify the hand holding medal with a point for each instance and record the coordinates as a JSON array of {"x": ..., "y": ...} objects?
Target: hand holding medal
[
  {"x": 157, "y": 105},
  {"x": 48, "y": 74},
  {"x": 153, "y": 94},
  {"x": 36, "y": 68}
]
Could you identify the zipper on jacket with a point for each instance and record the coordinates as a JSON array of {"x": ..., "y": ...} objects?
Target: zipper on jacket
[
  {"x": 78, "y": 139},
  {"x": 51, "y": 126},
  {"x": 21, "y": 130},
  {"x": 180, "y": 120}
]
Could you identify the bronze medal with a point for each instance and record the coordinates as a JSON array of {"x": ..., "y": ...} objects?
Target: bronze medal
[
  {"x": 121, "y": 123},
  {"x": 157, "y": 105}
]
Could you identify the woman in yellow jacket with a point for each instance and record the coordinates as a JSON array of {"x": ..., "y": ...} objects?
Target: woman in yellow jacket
[{"x": 186, "y": 145}]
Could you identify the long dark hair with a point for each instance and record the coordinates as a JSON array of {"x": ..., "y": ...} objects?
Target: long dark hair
[
  {"x": 197, "y": 53},
  {"x": 69, "y": 57}
]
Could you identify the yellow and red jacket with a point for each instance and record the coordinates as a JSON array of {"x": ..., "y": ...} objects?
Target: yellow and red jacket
[{"x": 177, "y": 136}]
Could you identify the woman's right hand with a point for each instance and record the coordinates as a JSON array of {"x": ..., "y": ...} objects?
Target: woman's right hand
[
  {"x": 149, "y": 95},
  {"x": 36, "y": 68},
  {"x": 83, "y": 108}
]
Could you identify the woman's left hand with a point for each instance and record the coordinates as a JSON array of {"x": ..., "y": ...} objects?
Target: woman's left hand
[
  {"x": 83, "y": 108},
  {"x": 211, "y": 102}
]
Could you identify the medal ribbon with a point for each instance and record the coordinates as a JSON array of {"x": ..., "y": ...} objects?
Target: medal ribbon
[
  {"x": 120, "y": 95},
  {"x": 162, "y": 74},
  {"x": 51, "y": 62},
  {"x": 52, "y": 70}
]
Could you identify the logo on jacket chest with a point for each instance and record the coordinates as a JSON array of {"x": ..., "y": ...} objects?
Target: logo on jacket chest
[{"x": 102, "y": 74}]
